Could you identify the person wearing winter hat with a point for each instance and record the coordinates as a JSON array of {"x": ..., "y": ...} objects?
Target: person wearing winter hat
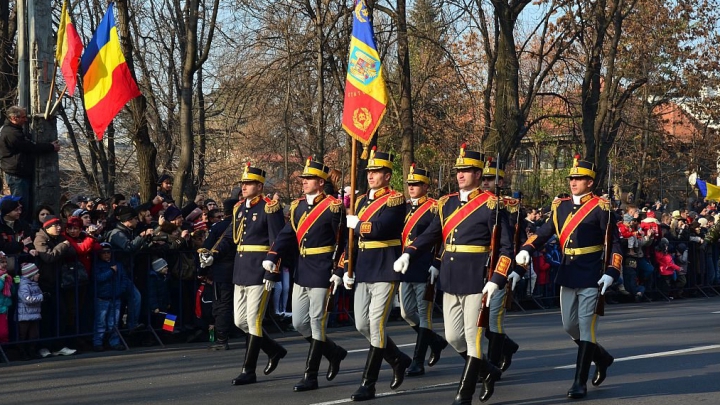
[
  {"x": 111, "y": 284},
  {"x": 15, "y": 230},
  {"x": 172, "y": 213},
  {"x": 30, "y": 298},
  {"x": 54, "y": 250},
  {"x": 158, "y": 296},
  {"x": 126, "y": 245}
]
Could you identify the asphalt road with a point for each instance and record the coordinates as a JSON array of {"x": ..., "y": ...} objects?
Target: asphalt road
[{"x": 665, "y": 353}]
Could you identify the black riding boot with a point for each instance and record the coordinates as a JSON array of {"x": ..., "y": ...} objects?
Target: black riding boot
[
  {"x": 602, "y": 360},
  {"x": 398, "y": 360},
  {"x": 366, "y": 391},
  {"x": 509, "y": 348},
  {"x": 335, "y": 354},
  {"x": 490, "y": 374},
  {"x": 437, "y": 345},
  {"x": 468, "y": 381},
  {"x": 495, "y": 347},
  {"x": 274, "y": 351},
  {"x": 247, "y": 375},
  {"x": 417, "y": 367},
  {"x": 309, "y": 380},
  {"x": 582, "y": 369}
]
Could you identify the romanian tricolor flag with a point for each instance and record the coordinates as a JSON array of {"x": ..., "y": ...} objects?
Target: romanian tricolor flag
[
  {"x": 365, "y": 92},
  {"x": 107, "y": 81},
  {"x": 709, "y": 191},
  {"x": 69, "y": 48},
  {"x": 169, "y": 324}
]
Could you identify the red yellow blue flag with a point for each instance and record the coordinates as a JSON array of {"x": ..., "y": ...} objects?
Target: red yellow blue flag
[
  {"x": 107, "y": 82},
  {"x": 365, "y": 91},
  {"x": 169, "y": 324},
  {"x": 69, "y": 48}
]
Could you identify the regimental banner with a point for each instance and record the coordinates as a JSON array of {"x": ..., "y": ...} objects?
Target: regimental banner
[{"x": 365, "y": 91}]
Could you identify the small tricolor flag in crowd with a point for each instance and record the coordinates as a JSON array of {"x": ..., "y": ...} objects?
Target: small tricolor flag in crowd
[
  {"x": 365, "y": 92},
  {"x": 69, "y": 49},
  {"x": 107, "y": 81},
  {"x": 169, "y": 324}
]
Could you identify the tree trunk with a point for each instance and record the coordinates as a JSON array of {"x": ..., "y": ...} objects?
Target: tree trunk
[
  {"x": 139, "y": 131},
  {"x": 202, "y": 135}
]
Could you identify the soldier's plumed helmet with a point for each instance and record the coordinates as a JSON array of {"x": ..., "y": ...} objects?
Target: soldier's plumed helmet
[
  {"x": 379, "y": 160},
  {"x": 491, "y": 168},
  {"x": 418, "y": 175},
  {"x": 253, "y": 174},
  {"x": 469, "y": 159},
  {"x": 315, "y": 169},
  {"x": 582, "y": 168}
]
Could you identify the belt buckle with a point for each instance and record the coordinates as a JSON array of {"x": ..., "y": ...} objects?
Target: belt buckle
[
  {"x": 361, "y": 244},
  {"x": 302, "y": 251}
]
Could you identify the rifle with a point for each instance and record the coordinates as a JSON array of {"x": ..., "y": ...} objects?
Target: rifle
[
  {"x": 484, "y": 317},
  {"x": 509, "y": 296},
  {"x": 607, "y": 258},
  {"x": 336, "y": 252}
]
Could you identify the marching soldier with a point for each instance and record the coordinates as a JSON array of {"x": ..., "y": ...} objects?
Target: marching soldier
[
  {"x": 580, "y": 222},
  {"x": 378, "y": 226},
  {"x": 500, "y": 347},
  {"x": 256, "y": 222},
  {"x": 415, "y": 306},
  {"x": 313, "y": 231},
  {"x": 464, "y": 225}
]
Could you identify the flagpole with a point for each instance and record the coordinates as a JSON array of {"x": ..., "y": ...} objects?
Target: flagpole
[
  {"x": 52, "y": 90},
  {"x": 351, "y": 232},
  {"x": 57, "y": 102}
]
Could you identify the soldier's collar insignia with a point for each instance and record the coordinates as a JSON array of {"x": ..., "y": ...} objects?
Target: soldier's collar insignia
[
  {"x": 381, "y": 192},
  {"x": 587, "y": 197},
  {"x": 319, "y": 198},
  {"x": 474, "y": 194},
  {"x": 256, "y": 200}
]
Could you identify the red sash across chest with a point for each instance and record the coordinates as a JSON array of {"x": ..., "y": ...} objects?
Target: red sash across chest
[
  {"x": 458, "y": 216},
  {"x": 413, "y": 220},
  {"x": 573, "y": 223},
  {"x": 307, "y": 221}
]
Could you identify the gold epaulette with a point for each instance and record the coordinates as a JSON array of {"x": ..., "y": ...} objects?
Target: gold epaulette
[
  {"x": 357, "y": 201},
  {"x": 493, "y": 202},
  {"x": 272, "y": 206},
  {"x": 336, "y": 205},
  {"x": 444, "y": 199},
  {"x": 556, "y": 203},
  {"x": 395, "y": 200},
  {"x": 512, "y": 205},
  {"x": 434, "y": 207},
  {"x": 240, "y": 202},
  {"x": 295, "y": 203},
  {"x": 604, "y": 204}
]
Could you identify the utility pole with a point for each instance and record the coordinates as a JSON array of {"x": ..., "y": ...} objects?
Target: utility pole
[{"x": 35, "y": 81}]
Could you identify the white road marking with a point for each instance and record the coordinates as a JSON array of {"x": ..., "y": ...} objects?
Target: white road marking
[
  {"x": 658, "y": 354},
  {"x": 387, "y": 394}
]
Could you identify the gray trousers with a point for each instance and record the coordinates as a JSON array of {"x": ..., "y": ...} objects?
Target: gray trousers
[
  {"x": 250, "y": 305},
  {"x": 577, "y": 306},
  {"x": 373, "y": 302},
  {"x": 497, "y": 311},
  {"x": 308, "y": 311},
  {"x": 461, "y": 314},
  {"x": 413, "y": 308}
]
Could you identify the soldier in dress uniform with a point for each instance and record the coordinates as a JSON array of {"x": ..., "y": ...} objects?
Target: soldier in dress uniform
[
  {"x": 417, "y": 308},
  {"x": 378, "y": 226},
  {"x": 311, "y": 237},
  {"x": 257, "y": 220},
  {"x": 580, "y": 222},
  {"x": 500, "y": 347},
  {"x": 464, "y": 226}
]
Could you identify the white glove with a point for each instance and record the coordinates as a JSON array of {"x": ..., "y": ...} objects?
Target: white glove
[
  {"x": 605, "y": 281},
  {"x": 206, "y": 260},
  {"x": 269, "y": 285},
  {"x": 434, "y": 273},
  {"x": 352, "y": 221},
  {"x": 336, "y": 281},
  {"x": 269, "y": 265},
  {"x": 513, "y": 278},
  {"x": 490, "y": 289},
  {"x": 348, "y": 281},
  {"x": 522, "y": 258},
  {"x": 402, "y": 263}
]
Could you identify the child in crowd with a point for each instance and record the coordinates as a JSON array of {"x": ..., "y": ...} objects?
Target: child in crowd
[
  {"x": 6, "y": 292},
  {"x": 112, "y": 282},
  {"x": 30, "y": 299},
  {"x": 158, "y": 294}
]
